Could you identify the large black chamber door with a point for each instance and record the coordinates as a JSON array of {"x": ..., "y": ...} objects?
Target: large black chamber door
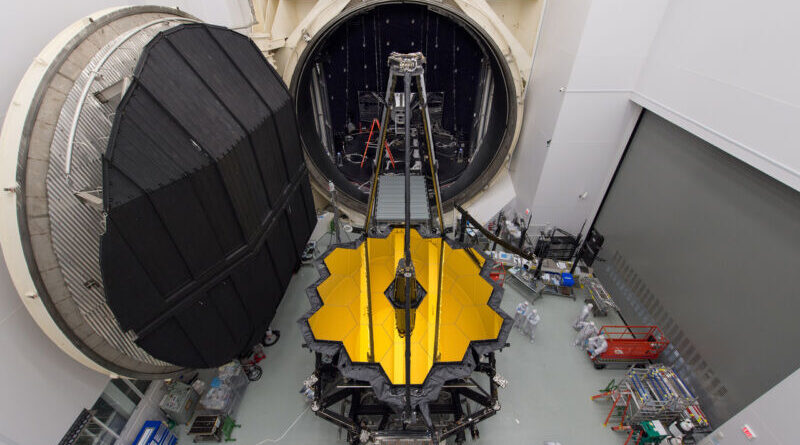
[{"x": 207, "y": 198}]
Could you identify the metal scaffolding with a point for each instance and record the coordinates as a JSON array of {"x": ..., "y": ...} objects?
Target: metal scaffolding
[{"x": 654, "y": 392}]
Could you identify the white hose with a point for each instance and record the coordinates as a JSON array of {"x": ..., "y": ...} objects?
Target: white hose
[{"x": 297, "y": 419}]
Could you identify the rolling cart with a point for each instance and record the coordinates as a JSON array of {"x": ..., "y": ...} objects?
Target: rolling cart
[
  {"x": 213, "y": 428},
  {"x": 558, "y": 284},
  {"x": 598, "y": 296},
  {"x": 525, "y": 278}
]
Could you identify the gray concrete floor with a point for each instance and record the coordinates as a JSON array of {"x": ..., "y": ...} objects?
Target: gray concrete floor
[{"x": 547, "y": 398}]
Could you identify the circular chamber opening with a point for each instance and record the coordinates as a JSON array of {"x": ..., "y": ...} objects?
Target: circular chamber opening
[{"x": 341, "y": 80}]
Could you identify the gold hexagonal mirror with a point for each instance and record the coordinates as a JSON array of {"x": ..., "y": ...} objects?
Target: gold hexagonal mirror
[{"x": 366, "y": 321}]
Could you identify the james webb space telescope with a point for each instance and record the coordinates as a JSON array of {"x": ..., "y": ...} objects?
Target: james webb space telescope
[{"x": 403, "y": 317}]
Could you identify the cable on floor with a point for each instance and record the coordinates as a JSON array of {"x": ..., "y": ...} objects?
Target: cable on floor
[{"x": 297, "y": 419}]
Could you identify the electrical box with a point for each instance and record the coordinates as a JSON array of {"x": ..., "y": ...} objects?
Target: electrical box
[{"x": 179, "y": 402}]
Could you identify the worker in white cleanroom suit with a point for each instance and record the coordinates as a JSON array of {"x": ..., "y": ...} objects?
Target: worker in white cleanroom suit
[
  {"x": 588, "y": 329},
  {"x": 583, "y": 316},
  {"x": 522, "y": 312},
  {"x": 597, "y": 345},
  {"x": 530, "y": 323},
  {"x": 679, "y": 431}
]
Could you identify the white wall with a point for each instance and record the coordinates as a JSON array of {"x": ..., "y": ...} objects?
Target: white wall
[
  {"x": 727, "y": 71},
  {"x": 557, "y": 46},
  {"x": 724, "y": 70},
  {"x": 773, "y": 418},
  {"x": 596, "y": 116},
  {"x": 28, "y": 26},
  {"x": 43, "y": 390}
]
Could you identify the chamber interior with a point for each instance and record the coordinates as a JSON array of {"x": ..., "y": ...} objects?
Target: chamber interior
[{"x": 342, "y": 86}]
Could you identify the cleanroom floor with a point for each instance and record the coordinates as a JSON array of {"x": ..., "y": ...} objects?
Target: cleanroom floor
[{"x": 547, "y": 398}]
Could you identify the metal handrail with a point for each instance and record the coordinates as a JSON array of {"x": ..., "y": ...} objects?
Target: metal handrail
[{"x": 85, "y": 92}]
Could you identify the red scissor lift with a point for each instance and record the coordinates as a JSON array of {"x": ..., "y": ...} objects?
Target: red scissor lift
[{"x": 631, "y": 344}]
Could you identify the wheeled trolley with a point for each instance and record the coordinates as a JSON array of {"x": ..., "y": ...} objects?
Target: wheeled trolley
[{"x": 598, "y": 296}]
